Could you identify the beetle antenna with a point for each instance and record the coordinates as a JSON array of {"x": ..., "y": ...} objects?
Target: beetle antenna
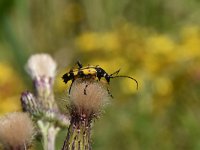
[
  {"x": 115, "y": 73},
  {"x": 79, "y": 64},
  {"x": 126, "y": 77}
]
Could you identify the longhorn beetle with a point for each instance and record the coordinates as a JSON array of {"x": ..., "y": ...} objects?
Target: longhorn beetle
[{"x": 91, "y": 72}]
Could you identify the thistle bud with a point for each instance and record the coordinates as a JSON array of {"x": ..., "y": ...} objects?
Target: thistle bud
[
  {"x": 42, "y": 68},
  {"x": 30, "y": 104},
  {"x": 41, "y": 105}
]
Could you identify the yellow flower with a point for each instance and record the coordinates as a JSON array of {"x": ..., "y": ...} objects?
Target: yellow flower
[
  {"x": 160, "y": 44},
  {"x": 5, "y": 73},
  {"x": 152, "y": 64},
  {"x": 163, "y": 86},
  {"x": 91, "y": 41},
  {"x": 190, "y": 44},
  {"x": 10, "y": 104},
  {"x": 110, "y": 41},
  {"x": 10, "y": 85},
  {"x": 88, "y": 41},
  {"x": 190, "y": 31}
]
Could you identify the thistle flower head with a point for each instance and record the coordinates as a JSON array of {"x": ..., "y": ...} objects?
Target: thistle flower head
[
  {"x": 16, "y": 130},
  {"x": 42, "y": 69},
  {"x": 88, "y": 96},
  {"x": 40, "y": 65}
]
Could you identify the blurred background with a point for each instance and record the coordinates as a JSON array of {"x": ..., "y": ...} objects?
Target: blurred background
[{"x": 157, "y": 42}]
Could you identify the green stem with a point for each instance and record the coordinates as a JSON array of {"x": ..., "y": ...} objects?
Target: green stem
[
  {"x": 78, "y": 136},
  {"x": 49, "y": 132}
]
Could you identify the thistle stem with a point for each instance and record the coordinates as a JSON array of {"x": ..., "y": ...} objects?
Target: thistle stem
[
  {"x": 49, "y": 133},
  {"x": 78, "y": 136}
]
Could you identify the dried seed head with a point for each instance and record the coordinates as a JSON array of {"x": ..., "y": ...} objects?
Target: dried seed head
[
  {"x": 88, "y": 96},
  {"x": 16, "y": 130},
  {"x": 40, "y": 65}
]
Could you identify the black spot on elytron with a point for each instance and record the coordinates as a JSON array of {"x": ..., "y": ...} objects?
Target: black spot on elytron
[
  {"x": 66, "y": 78},
  {"x": 86, "y": 73},
  {"x": 80, "y": 73}
]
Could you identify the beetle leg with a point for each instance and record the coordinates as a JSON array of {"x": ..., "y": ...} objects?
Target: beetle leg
[
  {"x": 71, "y": 87},
  {"x": 85, "y": 89},
  {"x": 99, "y": 78},
  {"x": 109, "y": 93}
]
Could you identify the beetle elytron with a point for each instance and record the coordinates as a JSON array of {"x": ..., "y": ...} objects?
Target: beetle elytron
[{"x": 91, "y": 72}]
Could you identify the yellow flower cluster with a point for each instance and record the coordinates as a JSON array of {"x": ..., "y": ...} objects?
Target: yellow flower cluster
[
  {"x": 11, "y": 86},
  {"x": 154, "y": 59},
  {"x": 93, "y": 41}
]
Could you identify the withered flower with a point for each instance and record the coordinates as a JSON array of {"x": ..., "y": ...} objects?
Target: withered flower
[
  {"x": 16, "y": 131},
  {"x": 84, "y": 108}
]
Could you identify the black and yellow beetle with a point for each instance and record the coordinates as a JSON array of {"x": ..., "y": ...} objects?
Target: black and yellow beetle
[{"x": 91, "y": 72}]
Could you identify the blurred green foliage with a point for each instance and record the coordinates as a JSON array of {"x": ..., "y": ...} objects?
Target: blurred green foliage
[{"x": 157, "y": 42}]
